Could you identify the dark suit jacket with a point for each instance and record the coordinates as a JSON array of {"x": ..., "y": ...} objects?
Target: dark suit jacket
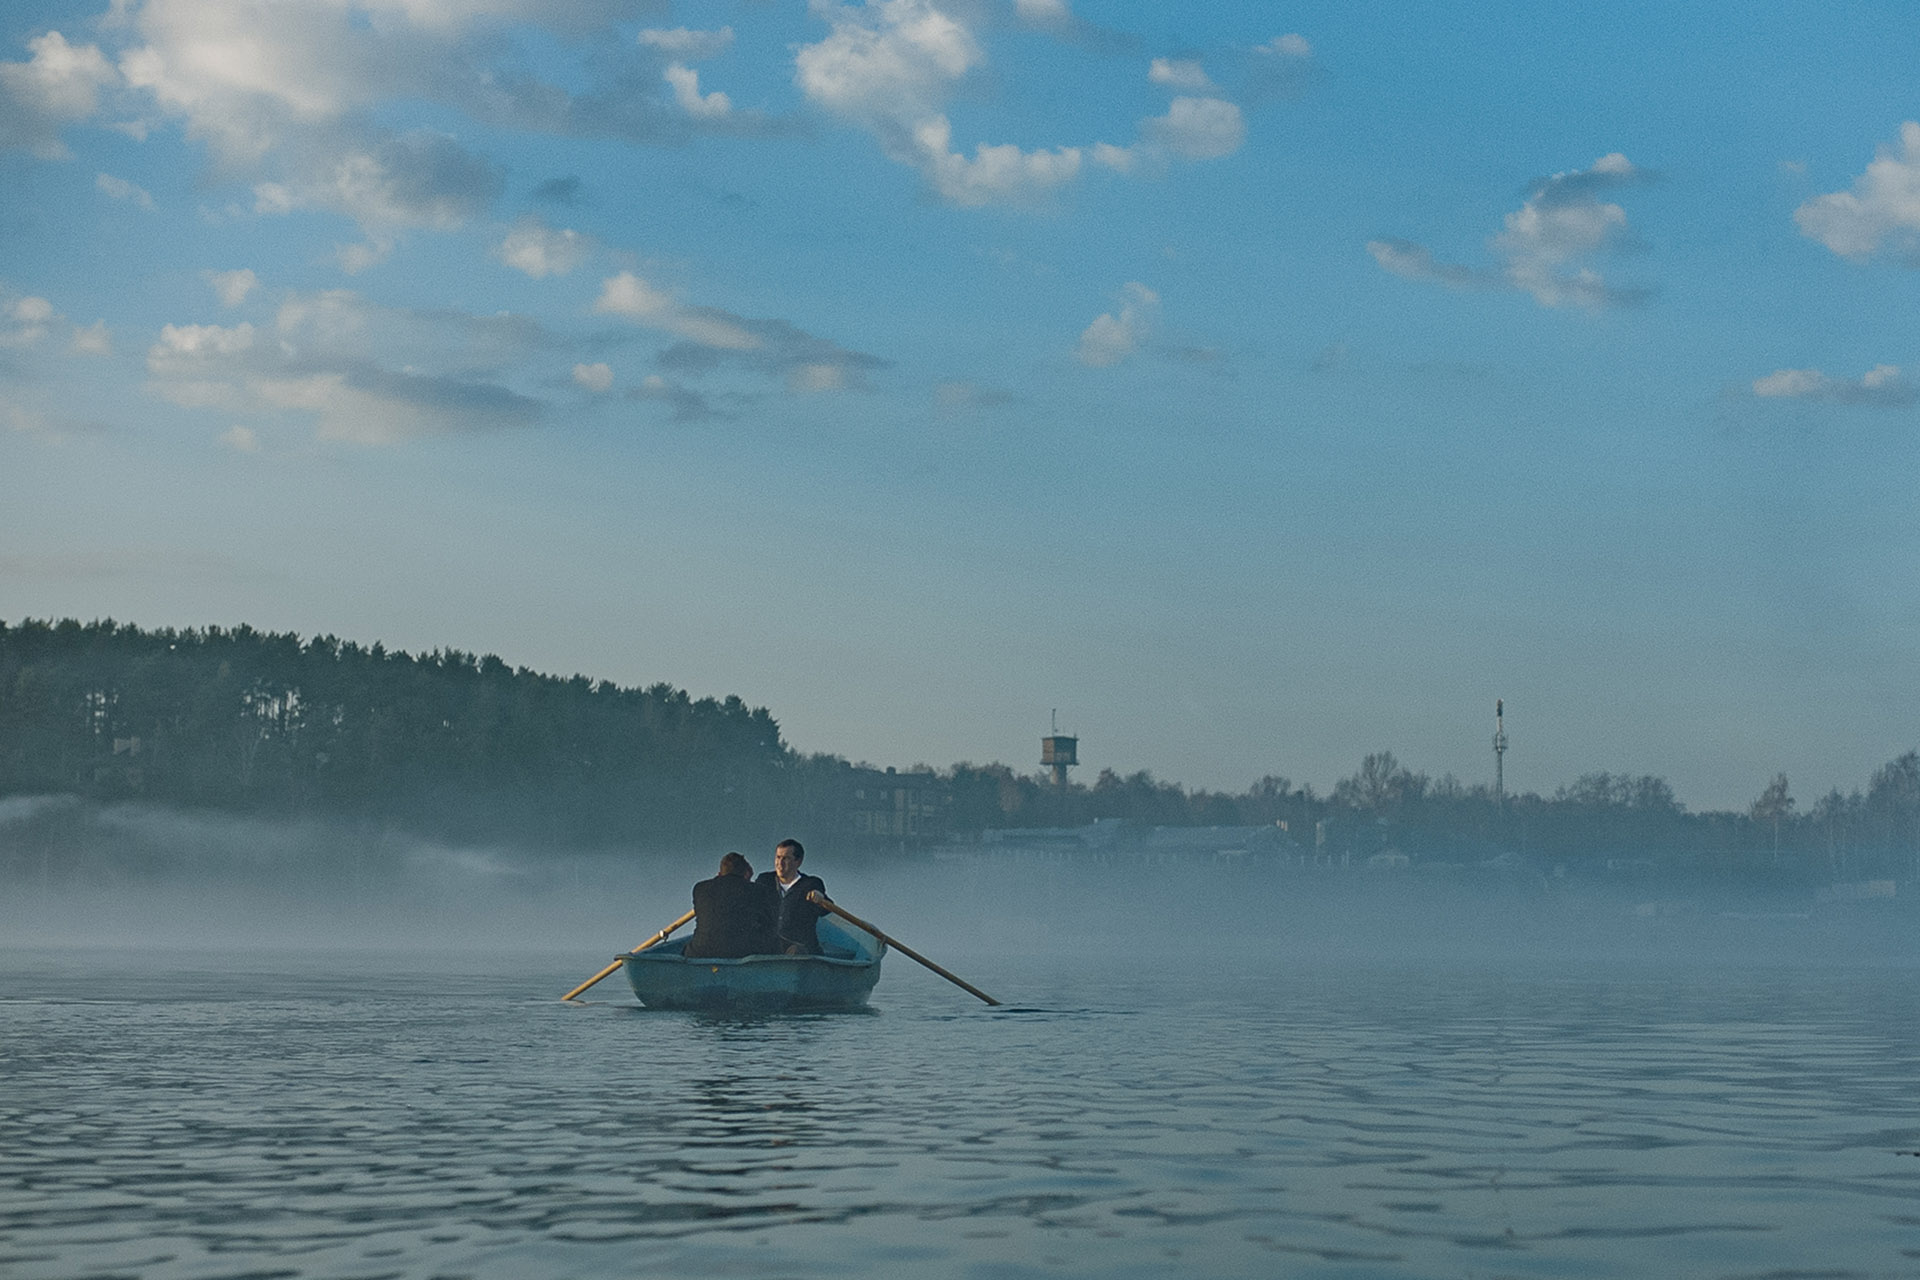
[
  {"x": 797, "y": 917},
  {"x": 736, "y": 918}
]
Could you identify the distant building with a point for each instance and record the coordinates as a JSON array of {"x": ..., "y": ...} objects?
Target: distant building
[{"x": 897, "y": 808}]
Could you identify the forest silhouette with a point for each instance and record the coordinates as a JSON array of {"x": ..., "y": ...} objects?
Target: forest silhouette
[{"x": 453, "y": 745}]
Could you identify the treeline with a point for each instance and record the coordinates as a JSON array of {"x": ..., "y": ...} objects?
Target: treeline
[
  {"x": 462, "y": 746},
  {"x": 445, "y": 742},
  {"x": 1617, "y": 824}
]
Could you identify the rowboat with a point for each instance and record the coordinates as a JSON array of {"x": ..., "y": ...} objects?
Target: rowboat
[{"x": 842, "y": 977}]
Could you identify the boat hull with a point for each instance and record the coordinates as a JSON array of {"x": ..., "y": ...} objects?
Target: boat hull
[{"x": 843, "y": 978}]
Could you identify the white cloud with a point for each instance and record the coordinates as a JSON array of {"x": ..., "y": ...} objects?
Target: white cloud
[
  {"x": 419, "y": 179},
  {"x": 1882, "y": 211},
  {"x": 371, "y": 406},
  {"x": 594, "y": 377},
  {"x": 817, "y": 377},
  {"x": 232, "y": 287},
  {"x": 241, "y": 439},
  {"x": 1283, "y": 67},
  {"x": 994, "y": 174},
  {"x": 1116, "y": 335},
  {"x": 711, "y": 338},
  {"x": 1883, "y": 385},
  {"x": 1291, "y": 45},
  {"x": 273, "y": 198},
  {"x": 889, "y": 67},
  {"x": 337, "y": 327},
  {"x": 1416, "y": 262},
  {"x": 370, "y": 253},
  {"x": 287, "y": 93},
  {"x": 1194, "y": 128},
  {"x": 60, "y": 84},
  {"x": 357, "y": 371},
  {"x": 1541, "y": 244},
  {"x": 1184, "y": 74},
  {"x": 62, "y": 80},
  {"x": 1562, "y": 220},
  {"x": 889, "y": 62},
  {"x": 1043, "y": 13},
  {"x": 688, "y": 405},
  {"x": 1791, "y": 384},
  {"x": 28, "y": 319},
  {"x": 540, "y": 251},
  {"x": 94, "y": 340},
  {"x": 246, "y": 74},
  {"x": 1199, "y": 128},
  {"x": 628, "y": 296},
  {"x": 1059, "y": 20},
  {"x": 1118, "y": 159},
  {"x": 183, "y": 346},
  {"x": 120, "y": 189},
  {"x": 689, "y": 45},
  {"x": 686, "y": 92}
]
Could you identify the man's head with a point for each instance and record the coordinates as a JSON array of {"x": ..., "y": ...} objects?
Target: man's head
[
  {"x": 735, "y": 865},
  {"x": 786, "y": 859}
]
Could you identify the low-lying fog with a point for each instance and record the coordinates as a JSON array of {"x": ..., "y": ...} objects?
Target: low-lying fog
[{"x": 73, "y": 873}]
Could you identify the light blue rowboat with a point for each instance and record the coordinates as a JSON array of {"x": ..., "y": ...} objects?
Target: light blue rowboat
[{"x": 841, "y": 978}]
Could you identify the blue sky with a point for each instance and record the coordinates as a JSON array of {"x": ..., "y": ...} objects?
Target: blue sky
[{"x": 1259, "y": 385}]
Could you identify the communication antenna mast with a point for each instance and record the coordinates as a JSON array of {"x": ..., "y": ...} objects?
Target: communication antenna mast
[{"x": 1499, "y": 752}]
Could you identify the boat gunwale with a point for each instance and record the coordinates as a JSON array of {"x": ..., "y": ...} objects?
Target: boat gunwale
[
  {"x": 866, "y": 954},
  {"x": 653, "y": 956}
]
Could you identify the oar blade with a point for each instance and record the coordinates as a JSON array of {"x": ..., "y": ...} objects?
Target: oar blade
[
  {"x": 905, "y": 950},
  {"x": 655, "y": 940}
]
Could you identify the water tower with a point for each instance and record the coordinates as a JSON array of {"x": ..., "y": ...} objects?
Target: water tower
[{"x": 1057, "y": 751}]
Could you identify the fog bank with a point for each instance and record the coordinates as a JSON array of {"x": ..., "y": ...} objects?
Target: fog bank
[{"x": 77, "y": 873}]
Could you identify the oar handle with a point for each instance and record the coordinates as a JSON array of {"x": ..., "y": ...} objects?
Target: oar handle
[
  {"x": 654, "y": 941},
  {"x": 825, "y": 903}
]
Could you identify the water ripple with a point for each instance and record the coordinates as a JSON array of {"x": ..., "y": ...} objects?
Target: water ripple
[{"x": 322, "y": 1119}]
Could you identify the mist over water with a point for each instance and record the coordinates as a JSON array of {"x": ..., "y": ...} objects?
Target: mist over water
[
  {"x": 236, "y": 1047},
  {"x": 77, "y": 873}
]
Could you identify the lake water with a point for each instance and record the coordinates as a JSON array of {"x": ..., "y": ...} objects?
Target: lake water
[{"x": 171, "y": 1114}]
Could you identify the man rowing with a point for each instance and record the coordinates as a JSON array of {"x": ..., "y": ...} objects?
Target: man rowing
[{"x": 788, "y": 887}]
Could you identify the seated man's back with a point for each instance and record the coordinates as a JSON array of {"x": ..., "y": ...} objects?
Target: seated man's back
[{"x": 734, "y": 917}]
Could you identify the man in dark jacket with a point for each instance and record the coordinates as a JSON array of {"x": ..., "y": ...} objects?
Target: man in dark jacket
[
  {"x": 734, "y": 916},
  {"x": 786, "y": 886}
]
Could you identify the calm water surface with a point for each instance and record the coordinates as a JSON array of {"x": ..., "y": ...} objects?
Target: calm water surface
[{"x": 176, "y": 1115}]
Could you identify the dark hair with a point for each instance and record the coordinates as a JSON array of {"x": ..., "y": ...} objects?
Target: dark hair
[
  {"x": 799, "y": 854},
  {"x": 735, "y": 865}
]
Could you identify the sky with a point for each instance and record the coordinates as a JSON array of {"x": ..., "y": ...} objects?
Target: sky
[{"x": 1259, "y": 386}]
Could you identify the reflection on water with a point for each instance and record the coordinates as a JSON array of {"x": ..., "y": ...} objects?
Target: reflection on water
[{"x": 278, "y": 1115}]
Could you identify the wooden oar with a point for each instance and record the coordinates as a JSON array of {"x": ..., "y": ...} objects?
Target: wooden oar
[
  {"x": 655, "y": 940},
  {"x": 899, "y": 946}
]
